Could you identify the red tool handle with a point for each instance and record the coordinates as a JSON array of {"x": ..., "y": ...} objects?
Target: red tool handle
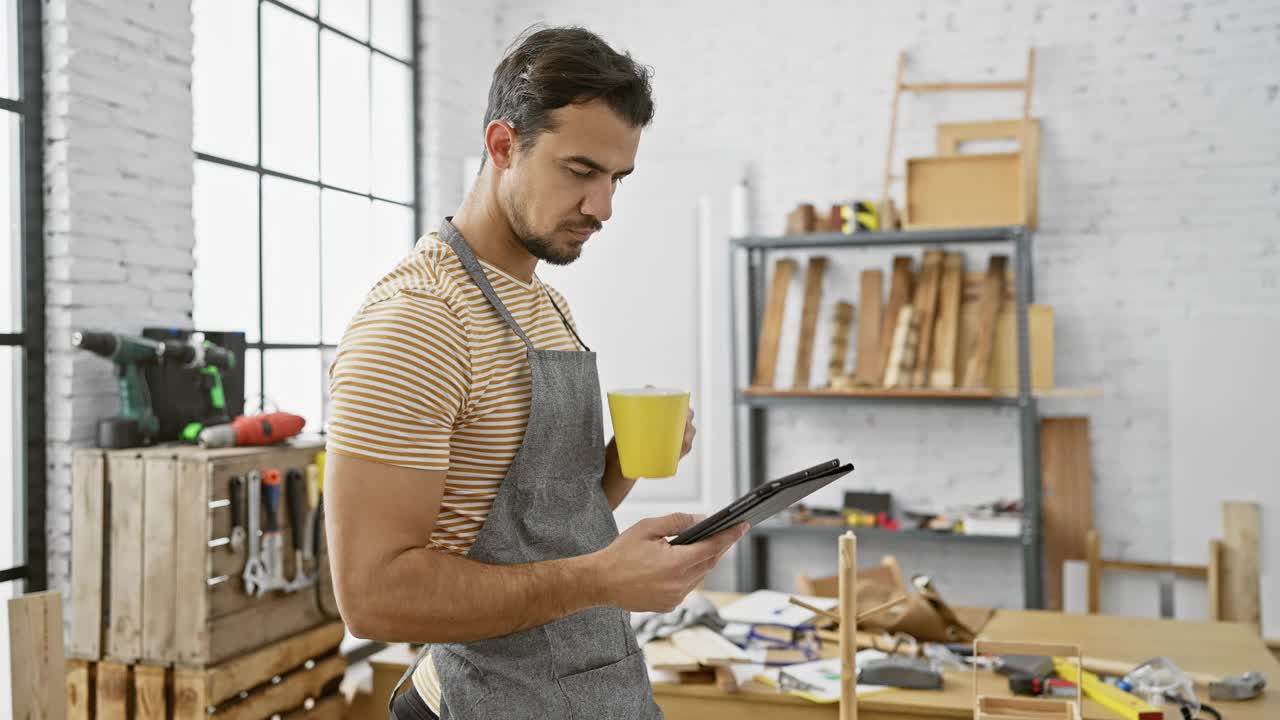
[{"x": 266, "y": 428}]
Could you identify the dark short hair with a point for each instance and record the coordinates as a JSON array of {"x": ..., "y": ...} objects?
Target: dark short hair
[{"x": 559, "y": 66}]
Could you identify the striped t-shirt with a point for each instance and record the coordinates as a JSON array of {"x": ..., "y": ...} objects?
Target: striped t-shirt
[{"x": 428, "y": 376}]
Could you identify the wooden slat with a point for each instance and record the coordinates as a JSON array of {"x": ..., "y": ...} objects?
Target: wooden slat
[
  {"x": 1002, "y": 647},
  {"x": 879, "y": 392},
  {"x": 1240, "y": 575},
  {"x": 191, "y": 557},
  {"x": 848, "y": 602},
  {"x": 273, "y": 617},
  {"x": 926, "y": 306},
  {"x": 124, "y": 626},
  {"x": 978, "y": 365},
  {"x": 708, "y": 647},
  {"x": 1194, "y": 572},
  {"x": 900, "y": 289},
  {"x": 870, "y": 299},
  {"x": 289, "y": 693},
  {"x": 159, "y": 571},
  {"x": 149, "y": 692},
  {"x": 1003, "y": 375},
  {"x": 79, "y": 689},
  {"x": 37, "y": 663},
  {"x": 813, "y": 277},
  {"x": 1066, "y": 475},
  {"x": 840, "y": 322},
  {"x": 1216, "y": 550},
  {"x": 88, "y": 527},
  {"x": 233, "y": 676},
  {"x": 771, "y": 326},
  {"x": 964, "y": 86},
  {"x": 1093, "y": 563},
  {"x": 942, "y": 364},
  {"x": 114, "y": 690},
  {"x": 662, "y": 655},
  {"x": 903, "y": 350}
]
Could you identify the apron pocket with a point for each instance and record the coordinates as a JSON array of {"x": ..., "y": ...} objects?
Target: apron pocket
[{"x": 618, "y": 691}]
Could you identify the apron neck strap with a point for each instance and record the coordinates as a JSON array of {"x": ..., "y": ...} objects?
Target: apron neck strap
[{"x": 450, "y": 234}]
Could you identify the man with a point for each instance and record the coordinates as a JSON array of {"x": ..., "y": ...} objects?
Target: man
[{"x": 469, "y": 490}]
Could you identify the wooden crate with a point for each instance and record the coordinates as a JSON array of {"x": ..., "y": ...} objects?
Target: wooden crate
[
  {"x": 296, "y": 677},
  {"x": 965, "y": 191},
  {"x": 166, "y": 589}
]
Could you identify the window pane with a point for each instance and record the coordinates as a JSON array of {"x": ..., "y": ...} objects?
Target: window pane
[
  {"x": 306, "y": 6},
  {"x": 224, "y": 78},
  {"x": 344, "y": 113},
  {"x": 10, "y": 225},
  {"x": 290, "y": 99},
  {"x": 392, "y": 130},
  {"x": 349, "y": 16},
  {"x": 252, "y": 381},
  {"x": 11, "y": 457},
  {"x": 290, "y": 261},
  {"x": 225, "y": 207},
  {"x": 9, "y": 44},
  {"x": 393, "y": 234},
  {"x": 294, "y": 383},
  {"x": 392, "y": 25},
  {"x": 347, "y": 269}
]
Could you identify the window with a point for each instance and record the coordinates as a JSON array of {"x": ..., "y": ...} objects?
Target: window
[
  {"x": 22, "y": 327},
  {"x": 305, "y": 187}
]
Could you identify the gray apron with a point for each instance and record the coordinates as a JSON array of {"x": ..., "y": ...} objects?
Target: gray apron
[{"x": 550, "y": 505}]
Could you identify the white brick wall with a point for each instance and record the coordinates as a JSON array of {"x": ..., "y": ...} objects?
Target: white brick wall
[
  {"x": 118, "y": 227},
  {"x": 1160, "y": 195}
]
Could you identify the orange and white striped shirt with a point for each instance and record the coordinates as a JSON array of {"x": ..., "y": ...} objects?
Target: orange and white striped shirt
[{"x": 428, "y": 376}]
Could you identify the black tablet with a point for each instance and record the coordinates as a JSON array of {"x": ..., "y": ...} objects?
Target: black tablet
[{"x": 766, "y": 500}]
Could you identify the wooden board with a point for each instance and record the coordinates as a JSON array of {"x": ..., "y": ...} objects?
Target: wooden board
[
  {"x": 663, "y": 655},
  {"x": 150, "y": 692},
  {"x": 37, "y": 664},
  {"x": 114, "y": 690},
  {"x": 229, "y": 678},
  {"x": 978, "y": 363},
  {"x": 1066, "y": 475},
  {"x": 926, "y": 306},
  {"x": 870, "y": 297},
  {"x": 1241, "y": 599},
  {"x": 191, "y": 692},
  {"x": 81, "y": 675},
  {"x": 159, "y": 572},
  {"x": 708, "y": 647},
  {"x": 88, "y": 498},
  {"x": 1003, "y": 376},
  {"x": 124, "y": 624},
  {"x": 771, "y": 325},
  {"x": 840, "y": 322},
  {"x": 900, "y": 289},
  {"x": 965, "y": 191},
  {"x": 809, "y": 320},
  {"x": 191, "y": 558},
  {"x": 942, "y": 364},
  {"x": 1026, "y": 132}
]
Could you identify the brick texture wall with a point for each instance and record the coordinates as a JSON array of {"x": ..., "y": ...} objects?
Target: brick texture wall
[{"x": 118, "y": 227}]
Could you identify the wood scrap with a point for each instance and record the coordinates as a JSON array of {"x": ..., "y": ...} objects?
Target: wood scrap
[
  {"x": 1241, "y": 578},
  {"x": 726, "y": 680},
  {"x": 1003, "y": 376},
  {"x": 803, "y": 219},
  {"x": 870, "y": 296},
  {"x": 841, "y": 323},
  {"x": 809, "y": 320},
  {"x": 903, "y": 350},
  {"x": 708, "y": 647},
  {"x": 1066, "y": 477},
  {"x": 942, "y": 364},
  {"x": 926, "y": 305},
  {"x": 977, "y": 369},
  {"x": 661, "y": 654},
  {"x": 771, "y": 327},
  {"x": 900, "y": 289},
  {"x": 37, "y": 663}
]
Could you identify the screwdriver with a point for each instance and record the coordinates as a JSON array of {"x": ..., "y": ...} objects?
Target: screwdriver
[
  {"x": 271, "y": 529},
  {"x": 296, "y": 489}
]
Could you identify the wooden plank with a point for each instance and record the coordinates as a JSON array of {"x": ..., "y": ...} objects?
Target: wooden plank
[
  {"x": 663, "y": 655},
  {"x": 903, "y": 350},
  {"x": 879, "y": 392},
  {"x": 1240, "y": 575},
  {"x": 848, "y": 598},
  {"x": 1194, "y": 572},
  {"x": 190, "y": 694},
  {"x": 965, "y": 191},
  {"x": 229, "y": 678},
  {"x": 771, "y": 326},
  {"x": 926, "y": 87},
  {"x": 88, "y": 528},
  {"x": 870, "y": 298},
  {"x": 37, "y": 663},
  {"x": 952, "y": 135},
  {"x": 292, "y": 691},
  {"x": 274, "y": 616},
  {"x": 124, "y": 626},
  {"x": 1004, "y": 355},
  {"x": 79, "y": 689},
  {"x": 900, "y": 290},
  {"x": 115, "y": 681},
  {"x": 191, "y": 556},
  {"x": 1216, "y": 550},
  {"x": 840, "y": 322},
  {"x": 1093, "y": 562},
  {"x": 887, "y": 221},
  {"x": 926, "y": 306},
  {"x": 813, "y": 276},
  {"x": 977, "y": 369},
  {"x": 942, "y": 363},
  {"x": 708, "y": 647},
  {"x": 159, "y": 571},
  {"x": 150, "y": 692},
  {"x": 1066, "y": 476}
]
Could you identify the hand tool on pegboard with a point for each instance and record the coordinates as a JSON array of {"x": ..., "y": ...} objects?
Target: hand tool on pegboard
[
  {"x": 255, "y": 572},
  {"x": 296, "y": 496}
]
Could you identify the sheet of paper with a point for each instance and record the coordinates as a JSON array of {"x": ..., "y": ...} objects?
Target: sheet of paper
[
  {"x": 770, "y": 607},
  {"x": 823, "y": 676}
]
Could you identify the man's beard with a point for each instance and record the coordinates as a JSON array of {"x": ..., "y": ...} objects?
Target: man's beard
[{"x": 541, "y": 246}]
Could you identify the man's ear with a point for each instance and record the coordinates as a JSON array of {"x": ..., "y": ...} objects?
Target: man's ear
[{"x": 500, "y": 142}]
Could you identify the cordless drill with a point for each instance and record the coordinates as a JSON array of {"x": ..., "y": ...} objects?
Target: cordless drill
[{"x": 136, "y": 424}]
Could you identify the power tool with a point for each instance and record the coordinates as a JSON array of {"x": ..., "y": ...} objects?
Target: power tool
[
  {"x": 263, "y": 429},
  {"x": 136, "y": 424}
]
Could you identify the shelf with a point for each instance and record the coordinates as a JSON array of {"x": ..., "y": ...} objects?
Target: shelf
[
  {"x": 880, "y": 239},
  {"x": 792, "y": 529},
  {"x": 761, "y": 397}
]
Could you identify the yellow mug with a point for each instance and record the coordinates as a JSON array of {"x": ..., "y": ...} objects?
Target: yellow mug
[{"x": 648, "y": 424}]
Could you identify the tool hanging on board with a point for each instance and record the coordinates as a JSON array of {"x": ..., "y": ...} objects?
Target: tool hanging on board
[
  {"x": 262, "y": 429},
  {"x": 299, "y": 511},
  {"x": 236, "y": 491},
  {"x": 255, "y": 572},
  {"x": 272, "y": 547}
]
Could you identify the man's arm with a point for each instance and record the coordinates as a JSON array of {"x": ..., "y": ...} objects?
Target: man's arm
[{"x": 391, "y": 587}]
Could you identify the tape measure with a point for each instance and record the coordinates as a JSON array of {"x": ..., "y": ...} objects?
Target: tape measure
[{"x": 1127, "y": 706}]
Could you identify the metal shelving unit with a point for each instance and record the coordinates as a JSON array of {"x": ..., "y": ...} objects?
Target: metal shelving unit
[{"x": 750, "y": 423}]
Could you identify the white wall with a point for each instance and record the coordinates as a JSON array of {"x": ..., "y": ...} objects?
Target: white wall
[{"x": 1160, "y": 192}]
